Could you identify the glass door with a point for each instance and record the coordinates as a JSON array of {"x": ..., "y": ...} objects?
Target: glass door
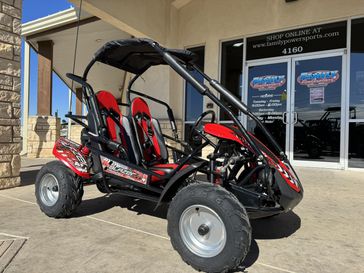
[
  {"x": 193, "y": 99},
  {"x": 267, "y": 97},
  {"x": 316, "y": 111}
]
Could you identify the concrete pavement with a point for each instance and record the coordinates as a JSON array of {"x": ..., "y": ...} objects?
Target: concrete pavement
[{"x": 119, "y": 234}]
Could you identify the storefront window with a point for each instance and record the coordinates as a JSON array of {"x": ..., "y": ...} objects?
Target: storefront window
[
  {"x": 356, "y": 129},
  {"x": 193, "y": 99},
  {"x": 231, "y": 71},
  {"x": 356, "y": 144},
  {"x": 317, "y": 109},
  {"x": 357, "y": 69}
]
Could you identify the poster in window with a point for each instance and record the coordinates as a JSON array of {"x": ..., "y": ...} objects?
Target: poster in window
[
  {"x": 317, "y": 95},
  {"x": 316, "y": 81},
  {"x": 267, "y": 95}
]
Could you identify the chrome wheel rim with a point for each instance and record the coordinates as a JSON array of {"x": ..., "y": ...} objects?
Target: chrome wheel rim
[
  {"x": 202, "y": 231},
  {"x": 49, "y": 189}
]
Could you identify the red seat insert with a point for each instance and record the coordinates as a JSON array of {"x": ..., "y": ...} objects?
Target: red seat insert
[
  {"x": 107, "y": 103},
  {"x": 163, "y": 169},
  {"x": 145, "y": 131}
]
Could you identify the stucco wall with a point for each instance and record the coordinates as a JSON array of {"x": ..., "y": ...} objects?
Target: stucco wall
[
  {"x": 10, "y": 14},
  {"x": 210, "y": 21},
  {"x": 139, "y": 18},
  {"x": 155, "y": 82},
  {"x": 207, "y": 22}
]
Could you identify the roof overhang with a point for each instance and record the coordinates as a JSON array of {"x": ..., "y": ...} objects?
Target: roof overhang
[
  {"x": 51, "y": 21},
  {"x": 93, "y": 34}
]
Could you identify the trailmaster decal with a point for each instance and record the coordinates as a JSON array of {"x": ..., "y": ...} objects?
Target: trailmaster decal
[
  {"x": 69, "y": 151},
  {"x": 122, "y": 170}
]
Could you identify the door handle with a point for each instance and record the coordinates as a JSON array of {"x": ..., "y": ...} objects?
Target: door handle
[
  {"x": 295, "y": 117},
  {"x": 284, "y": 117}
]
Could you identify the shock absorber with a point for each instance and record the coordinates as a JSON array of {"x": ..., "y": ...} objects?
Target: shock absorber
[{"x": 85, "y": 151}]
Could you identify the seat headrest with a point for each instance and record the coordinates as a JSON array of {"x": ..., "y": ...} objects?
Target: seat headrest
[
  {"x": 107, "y": 100},
  {"x": 138, "y": 105}
]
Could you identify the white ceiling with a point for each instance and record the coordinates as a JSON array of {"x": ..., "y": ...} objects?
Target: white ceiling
[{"x": 91, "y": 37}]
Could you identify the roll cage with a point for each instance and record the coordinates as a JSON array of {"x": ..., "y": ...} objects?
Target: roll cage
[
  {"x": 138, "y": 55},
  {"x": 182, "y": 61}
]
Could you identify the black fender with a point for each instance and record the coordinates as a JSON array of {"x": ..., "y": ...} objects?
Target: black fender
[{"x": 180, "y": 175}]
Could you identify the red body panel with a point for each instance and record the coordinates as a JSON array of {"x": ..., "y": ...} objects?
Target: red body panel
[
  {"x": 283, "y": 169},
  {"x": 69, "y": 153},
  {"x": 162, "y": 172},
  {"x": 221, "y": 131}
]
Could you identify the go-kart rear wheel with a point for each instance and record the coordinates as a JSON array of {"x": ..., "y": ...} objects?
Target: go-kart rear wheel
[
  {"x": 209, "y": 228},
  {"x": 58, "y": 190}
]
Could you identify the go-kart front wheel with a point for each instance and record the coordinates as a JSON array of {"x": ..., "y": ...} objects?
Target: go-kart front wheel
[
  {"x": 58, "y": 190},
  {"x": 209, "y": 228}
]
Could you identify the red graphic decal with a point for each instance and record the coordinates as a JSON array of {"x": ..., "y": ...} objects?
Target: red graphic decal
[
  {"x": 318, "y": 78},
  {"x": 123, "y": 171},
  {"x": 268, "y": 82},
  {"x": 70, "y": 154}
]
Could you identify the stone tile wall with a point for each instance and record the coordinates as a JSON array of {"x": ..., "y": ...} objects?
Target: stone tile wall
[
  {"x": 10, "y": 140},
  {"x": 43, "y": 131},
  {"x": 76, "y": 133}
]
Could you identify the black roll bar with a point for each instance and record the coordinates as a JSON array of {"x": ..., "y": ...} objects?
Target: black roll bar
[
  {"x": 89, "y": 94},
  {"x": 170, "y": 114},
  {"x": 201, "y": 88},
  {"x": 204, "y": 90},
  {"x": 87, "y": 69},
  {"x": 132, "y": 81},
  {"x": 240, "y": 106}
]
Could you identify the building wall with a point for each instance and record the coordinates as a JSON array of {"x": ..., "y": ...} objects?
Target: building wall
[
  {"x": 10, "y": 15},
  {"x": 210, "y": 21},
  {"x": 207, "y": 22},
  {"x": 155, "y": 83},
  {"x": 139, "y": 18}
]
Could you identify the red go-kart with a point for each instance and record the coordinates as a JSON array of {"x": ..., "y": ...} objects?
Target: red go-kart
[{"x": 208, "y": 219}]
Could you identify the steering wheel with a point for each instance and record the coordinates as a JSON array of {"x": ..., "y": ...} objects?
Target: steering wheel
[{"x": 198, "y": 123}]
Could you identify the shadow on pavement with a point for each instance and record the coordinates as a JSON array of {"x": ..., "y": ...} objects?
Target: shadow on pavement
[
  {"x": 28, "y": 177},
  {"x": 106, "y": 202},
  {"x": 252, "y": 256},
  {"x": 276, "y": 227}
]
